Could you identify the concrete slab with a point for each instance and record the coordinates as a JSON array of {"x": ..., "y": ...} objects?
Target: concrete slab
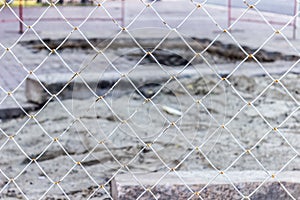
[
  {"x": 124, "y": 186},
  {"x": 100, "y": 84}
]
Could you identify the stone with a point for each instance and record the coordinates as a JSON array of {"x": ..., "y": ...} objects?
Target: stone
[{"x": 124, "y": 186}]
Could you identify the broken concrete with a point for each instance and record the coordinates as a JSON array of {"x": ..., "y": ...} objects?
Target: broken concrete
[{"x": 124, "y": 186}]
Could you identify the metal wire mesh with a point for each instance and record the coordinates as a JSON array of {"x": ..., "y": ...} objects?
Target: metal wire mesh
[{"x": 126, "y": 123}]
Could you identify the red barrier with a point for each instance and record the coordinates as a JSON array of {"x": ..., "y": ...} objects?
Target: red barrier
[{"x": 23, "y": 18}]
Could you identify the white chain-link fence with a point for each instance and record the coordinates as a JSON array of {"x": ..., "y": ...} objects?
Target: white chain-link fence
[{"x": 149, "y": 99}]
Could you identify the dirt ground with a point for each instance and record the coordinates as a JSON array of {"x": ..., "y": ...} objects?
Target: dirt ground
[{"x": 103, "y": 143}]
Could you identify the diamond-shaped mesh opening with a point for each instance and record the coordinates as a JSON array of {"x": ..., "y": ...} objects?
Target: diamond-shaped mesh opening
[
  {"x": 55, "y": 192},
  {"x": 177, "y": 152},
  {"x": 292, "y": 85},
  {"x": 175, "y": 19},
  {"x": 11, "y": 191},
  {"x": 181, "y": 189},
  {"x": 9, "y": 28},
  {"x": 244, "y": 83},
  {"x": 141, "y": 191},
  {"x": 48, "y": 121},
  {"x": 123, "y": 44},
  {"x": 12, "y": 167},
  {"x": 100, "y": 193},
  {"x": 50, "y": 161},
  {"x": 147, "y": 121},
  {"x": 52, "y": 61},
  {"x": 289, "y": 31},
  {"x": 100, "y": 126},
  {"x": 31, "y": 50},
  {"x": 79, "y": 90},
  {"x": 14, "y": 105},
  {"x": 222, "y": 49},
  {"x": 65, "y": 11},
  {"x": 33, "y": 182},
  {"x": 197, "y": 124},
  {"x": 200, "y": 85},
  {"x": 73, "y": 50},
  {"x": 282, "y": 108},
  {"x": 171, "y": 52},
  {"x": 97, "y": 62},
  {"x": 122, "y": 145},
  {"x": 101, "y": 164},
  {"x": 272, "y": 158},
  {"x": 216, "y": 149},
  {"x": 289, "y": 128},
  {"x": 77, "y": 140},
  {"x": 248, "y": 127},
  {"x": 252, "y": 175},
  {"x": 208, "y": 58},
  {"x": 218, "y": 188},
  {"x": 198, "y": 16},
  {"x": 251, "y": 27},
  {"x": 93, "y": 20},
  {"x": 12, "y": 127},
  {"x": 195, "y": 161},
  {"x": 32, "y": 139},
  {"x": 158, "y": 37},
  {"x": 287, "y": 14},
  {"x": 77, "y": 184},
  {"x": 147, "y": 12},
  {"x": 33, "y": 14},
  {"x": 148, "y": 160},
  {"x": 289, "y": 53},
  {"x": 267, "y": 190},
  {"x": 220, "y": 106},
  {"x": 12, "y": 70},
  {"x": 216, "y": 13},
  {"x": 170, "y": 103},
  {"x": 133, "y": 98},
  {"x": 52, "y": 20}
]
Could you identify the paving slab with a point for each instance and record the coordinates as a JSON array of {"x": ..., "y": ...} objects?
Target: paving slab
[{"x": 124, "y": 186}]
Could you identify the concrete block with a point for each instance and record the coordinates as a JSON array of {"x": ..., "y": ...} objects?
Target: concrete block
[
  {"x": 98, "y": 83},
  {"x": 8, "y": 111},
  {"x": 124, "y": 186}
]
